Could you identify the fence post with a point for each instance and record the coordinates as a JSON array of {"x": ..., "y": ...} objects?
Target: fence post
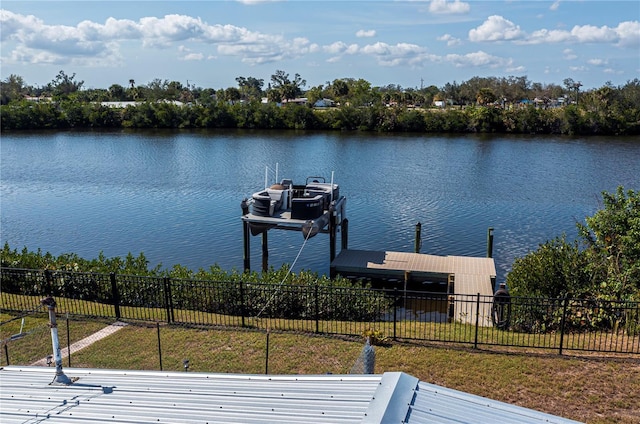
[
  {"x": 48, "y": 278},
  {"x": 6, "y": 353},
  {"x": 317, "y": 311},
  {"x": 115, "y": 295},
  {"x": 159, "y": 345},
  {"x": 563, "y": 320},
  {"x": 475, "y": 341},
  {"x": 68, "y": 342},
  {"x": 395, "y": 310},
  {"x": 168, "y": 300},
  {"x": 242, "y": 309}
]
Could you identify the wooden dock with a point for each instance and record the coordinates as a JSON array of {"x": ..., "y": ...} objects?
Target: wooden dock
[{"x": 465, "y": 276}]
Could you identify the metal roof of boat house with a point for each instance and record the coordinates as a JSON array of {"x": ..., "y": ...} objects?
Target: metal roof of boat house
[{"x": 118, "y": 396}]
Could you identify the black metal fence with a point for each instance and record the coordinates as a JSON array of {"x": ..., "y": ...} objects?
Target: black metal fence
[{"x": 557, "y": 324}]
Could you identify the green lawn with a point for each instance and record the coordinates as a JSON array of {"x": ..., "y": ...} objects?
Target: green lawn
[{"x": 585, "y": 387}]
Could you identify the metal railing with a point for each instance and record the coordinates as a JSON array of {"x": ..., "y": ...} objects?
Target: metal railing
[{"x": 472, "y": 319}]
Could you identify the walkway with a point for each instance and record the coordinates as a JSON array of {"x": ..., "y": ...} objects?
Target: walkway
[{"x": 107, "y": 331}]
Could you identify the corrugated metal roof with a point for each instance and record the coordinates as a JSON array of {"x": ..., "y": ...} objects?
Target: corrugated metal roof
[
  {"x": 118, "y": 396},
  {"x": 436, "y": 404}
]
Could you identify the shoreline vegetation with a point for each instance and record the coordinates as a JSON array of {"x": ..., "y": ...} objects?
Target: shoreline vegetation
[{"x": 511, "y": 105}]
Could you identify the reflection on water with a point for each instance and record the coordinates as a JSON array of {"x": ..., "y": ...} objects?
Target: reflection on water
[{"x": 176, "y": 195}]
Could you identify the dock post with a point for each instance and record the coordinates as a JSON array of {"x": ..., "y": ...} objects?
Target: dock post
[
  {"x": 265, "y": 252},
  {"x": 332, "y": 233},
  {"x": 451, "y": 297},
  {"x": 407, "y": 278},
  {"x": 345, "y": 234},
  {"x": 490, "y": 242},
  {"x": 246, "y": 256},
  {"x": 418, "y": 242}
]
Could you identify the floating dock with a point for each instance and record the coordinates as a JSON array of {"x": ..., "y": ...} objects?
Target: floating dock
[{"x": 464, "y": 276}]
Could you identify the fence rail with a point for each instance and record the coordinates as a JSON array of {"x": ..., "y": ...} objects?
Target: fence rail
[{"x": 474, "y": 319}]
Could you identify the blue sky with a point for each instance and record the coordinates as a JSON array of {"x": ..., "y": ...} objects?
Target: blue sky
[{"x": 408, "y": 43}]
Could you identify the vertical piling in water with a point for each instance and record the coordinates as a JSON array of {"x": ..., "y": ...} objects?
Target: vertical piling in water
[
  {"x": 345, "y": 234},
  {"x": 60, "y": 377},
  {"x": 265, "y": 252},
  {"x": 333, "y": 226},
  {"x": 418, "y": 242},
  {"x": 247, "y": 246},
  {"x": 490, "y": 242}
]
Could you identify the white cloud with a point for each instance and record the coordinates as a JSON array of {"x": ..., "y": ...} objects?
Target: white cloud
[
  {"x": 395, "y": 55},
  {"x": 336, "y": 48},
  {"x": 448, "y": 7},
  {"x": 478, "y": 59},
  {"x": 96, "y": 43},
  {"x": 598, "y": 62},
  {"x": 496, "y": 28},
  {"x": 450, "y": 39},
  {"x": 193, "y": 56},
  {"x": 555, "y": 5},
  {"x": 366, "y": 33},
  {"x": 578, "y": 68},
  {"x": 569, "y": 54},
  {"x": 628, "y": 34}
]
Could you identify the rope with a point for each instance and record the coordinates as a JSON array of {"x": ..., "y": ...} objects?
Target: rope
[
  {"x": 293, "y": 264},
  {"x": 26, "y": 333},
  {"x": 24, "y": 314}
]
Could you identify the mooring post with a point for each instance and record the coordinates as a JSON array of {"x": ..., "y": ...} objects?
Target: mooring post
[
  {"x": 333, "y": 218},
  {"x": 60, "y": 377},
  {"x": 490, "y": 242},
  {"x": 265, "y": 252},
  {"x": 418, "y": 242},
  {"x": 345, "y": 234},
  {"x": 246, "y": 255}
]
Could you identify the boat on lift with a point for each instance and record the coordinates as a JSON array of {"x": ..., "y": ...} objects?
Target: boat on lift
[{"x": 307, "y": 205}]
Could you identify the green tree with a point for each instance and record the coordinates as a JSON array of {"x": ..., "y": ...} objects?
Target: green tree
[
  {"x": 250, "y": 87},
  {"x": 12, "y": 89},
  {"x": 117, "y": 93},
  {"x": 607, "y": 267},
  {"x": 485, "y": 96},
  {"x": 612, "y": 239},
  {"x": 63, "y": 85},
  {"x": 555, "y": 269},
  {"x": 232, "y": 95},
  {"x": 288, "y": 89}
]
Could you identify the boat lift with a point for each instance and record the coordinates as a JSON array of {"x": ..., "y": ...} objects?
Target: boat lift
[{"x": 329, "y": 220}]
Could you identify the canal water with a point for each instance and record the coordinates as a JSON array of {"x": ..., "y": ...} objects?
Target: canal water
[{"x": 175, "y": 196}]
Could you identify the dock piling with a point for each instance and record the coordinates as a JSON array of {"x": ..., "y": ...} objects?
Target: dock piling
[
  {"x": 418, "y": 242},
  {"x": 490, "y": 242}
]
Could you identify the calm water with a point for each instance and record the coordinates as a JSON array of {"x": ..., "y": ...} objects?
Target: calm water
[{"x": 176, "y": 195}]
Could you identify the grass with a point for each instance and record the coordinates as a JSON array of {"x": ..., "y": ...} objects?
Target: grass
[{"x": 585, "y": 387}]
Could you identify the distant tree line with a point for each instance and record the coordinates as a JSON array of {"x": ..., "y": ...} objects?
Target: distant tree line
[{"x": 479, "y": 105}]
